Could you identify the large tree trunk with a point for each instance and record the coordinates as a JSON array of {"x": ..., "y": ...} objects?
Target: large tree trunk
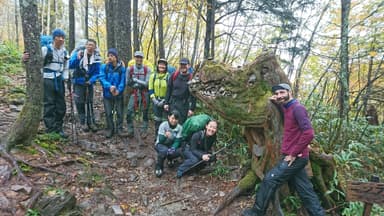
[
  {"x": 197, "y": 33},
  {"x": 123, "y": 46},
  {"x": 160, "y": 29},
  {"x": 71, "y": 25},
  {"x": 208, "y": 30},
  {"x": 25, "y": 127},
  {"x": 344, "y": 70},
  {"x": 86, "y": 8},
  {"x": 17, "y": 23},
  {"x": 241, "y": 96},
  {"x": 135, "y": 14},
  {"x": 110, "y": 14}
]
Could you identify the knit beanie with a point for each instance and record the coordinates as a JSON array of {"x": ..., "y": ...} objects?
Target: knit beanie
[{"x": 57, "y": 33}]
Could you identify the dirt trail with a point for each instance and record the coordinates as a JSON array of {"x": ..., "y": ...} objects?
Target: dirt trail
[{"x": 103, "y": 172}]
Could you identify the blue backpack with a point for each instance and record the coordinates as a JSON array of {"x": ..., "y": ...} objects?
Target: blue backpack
[{"x": 47, "y": 41}]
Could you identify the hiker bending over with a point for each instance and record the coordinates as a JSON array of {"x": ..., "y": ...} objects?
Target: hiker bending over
[
  {"x": 138, "y": 77},
  {"x": 168, "y": 142},
  {"x": 178, "y": 95},
  {"x": 112, "y": 78},
  {"x": 55, "y": 71},
  {"x": 199, "y": 148},
  {"x": 86, "y": 64},
  {"x": 298, "y": 133},
  {"x": 157, "y": 91}
]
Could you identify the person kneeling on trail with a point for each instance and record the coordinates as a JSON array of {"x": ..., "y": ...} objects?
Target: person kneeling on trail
[
  {"x": 199, "y": 148},
  {"x": 168, "y": 142}
]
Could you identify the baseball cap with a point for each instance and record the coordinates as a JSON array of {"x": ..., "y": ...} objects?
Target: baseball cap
[
  {"x": 184, "y": 61},
  {"x": 139, "y": 54},
  {"x": 283, "y": 86}
]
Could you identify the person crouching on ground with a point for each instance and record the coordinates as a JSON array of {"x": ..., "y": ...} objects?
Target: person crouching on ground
[
  {"x": 168, "y": 142},
  {"x": 199, "y": 148},
  {"x": 112, "y": 78}
]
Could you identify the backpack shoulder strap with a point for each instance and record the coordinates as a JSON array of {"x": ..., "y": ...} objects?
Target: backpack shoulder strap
[
  {"x": 131, "y": 70},
  {"x": 175, "y": 74},
  {"x": 145, "y": 70}
]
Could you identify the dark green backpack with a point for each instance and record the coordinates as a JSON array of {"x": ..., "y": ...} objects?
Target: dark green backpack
[{"x": 194, "y": 124}]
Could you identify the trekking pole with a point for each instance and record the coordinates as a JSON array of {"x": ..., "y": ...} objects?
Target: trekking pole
[
  {"x": 202, "y": 161},
  {"x": 73, "y": 127},
  {"x": 114, "y": 117}
]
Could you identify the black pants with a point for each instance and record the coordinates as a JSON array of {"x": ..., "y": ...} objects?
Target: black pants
[
  {"x": 114, "y": 104},
  {"x": 84, "y": 103},
  {"x": 181, "y": 105},
  {"x": 54, "y": 104},
  {"x": 162, "y": 151},
  {"x": 297, "y": 178}
]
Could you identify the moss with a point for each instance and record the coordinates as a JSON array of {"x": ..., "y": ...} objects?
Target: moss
[{"x": 248, "y": 181}]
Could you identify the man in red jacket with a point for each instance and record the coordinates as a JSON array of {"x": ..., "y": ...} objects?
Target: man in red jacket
[{"x": 298, "y": 133}]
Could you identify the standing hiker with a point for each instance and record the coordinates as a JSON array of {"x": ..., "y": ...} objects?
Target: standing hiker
[
  {"x": 55, "y": 71},
  {"x": 86, "y": 64},
  {"x": 178, "y": 96},
  {"x": 138, "y": 77},
  {"x": 298, "y": 133},
  {"x": 112, "y": 78},
  {"x": 157, "y": 91}
]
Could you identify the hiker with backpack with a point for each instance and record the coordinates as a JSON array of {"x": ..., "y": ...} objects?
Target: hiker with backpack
[
  {"x": 112, "y": 78},
  {"x": 86, "y": 64},
  {"x": 157, "y": 91},
  {"x": 168, "y": 142},
  {"x": 199, "y": 148},
  {"x": 178, "y": 96},
  {"x": 55, "y": 71},
  {"x": 138, "y": 78}
]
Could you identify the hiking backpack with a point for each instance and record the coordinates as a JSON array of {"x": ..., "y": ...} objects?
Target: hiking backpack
[{"x": 194, "y": 124}]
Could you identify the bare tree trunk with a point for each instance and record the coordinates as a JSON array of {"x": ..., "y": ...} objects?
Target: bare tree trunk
[
  {"x": 17, "y": 24},
  {"x": 53, "y": 12},
  {"x": 208, "y": 30},
  {"x": 135, "y": 14},
  {"x": 369, "y": 76},
  {"x": 110, "y": 14},
  {"x": 197, "y": 33},
  {"x": 309, "y": 45},
  {"x": 96, "y": 9},
  {"x": 129, "y": 29},
  {"x": 71, "y": 25},
  {"x": 86, "y": 8},
  {"x": 173, "y": 37},
  {"x": 48, "y": 17},
  {"x": 26, "y": 125},
  {"x": 228, "y": 41},
  {"x": 121, "y": 27},
  {"x": 155, "y": 19},
  {"x": 344, "y": 70},
  {"x": 160, "y": 29},
  {"x": 182, "y": 33},
  {"x": 42, "y": 16},
  {"x": 212, "y": 26}
]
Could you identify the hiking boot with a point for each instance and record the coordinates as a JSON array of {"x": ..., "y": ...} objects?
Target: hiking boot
[
  {"x": 92, "y": 127},
  {"x": 158, "y": 171},
  {"x": 171, "y": 163},
  {"x": 109, "y": 134}
]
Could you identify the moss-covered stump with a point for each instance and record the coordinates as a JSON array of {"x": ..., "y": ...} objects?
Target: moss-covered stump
[
  {"x": 241, "y": 96},
  {"x": 59, "y": 204}
]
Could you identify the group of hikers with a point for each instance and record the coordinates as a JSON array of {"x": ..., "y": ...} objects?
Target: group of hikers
[
  {"x": 167, "y": 91},
  {"x": 172, "y": 104}
]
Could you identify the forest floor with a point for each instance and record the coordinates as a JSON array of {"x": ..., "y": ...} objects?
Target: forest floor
[{"x": 106, "y": 174}]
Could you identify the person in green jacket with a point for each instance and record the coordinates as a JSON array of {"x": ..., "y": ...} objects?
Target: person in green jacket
[
  {"x": 157, "y": 87},
  {"x": 168, "y": 142}
]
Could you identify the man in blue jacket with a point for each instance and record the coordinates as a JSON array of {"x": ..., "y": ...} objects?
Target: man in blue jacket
[
  {"x": 112, "y": 78},
  {"x": 86, "y": 64}
]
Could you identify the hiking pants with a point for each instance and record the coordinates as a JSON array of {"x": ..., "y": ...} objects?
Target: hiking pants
[
  {"x": 181, "y": 105},
  {"x": 83, "y": 96},
  {"x": 160, "y": 116},
  {"x": 189, "y": 160},
  {"x": 296, "y": 177},
  {"x": 54, "y": 104},
  {"x": 162, "y": 154},
  {"x": 111, "y": 105},
  {"x": 136, "y": 101}
]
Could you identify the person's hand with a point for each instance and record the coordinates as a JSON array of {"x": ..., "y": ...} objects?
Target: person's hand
[
  {"x": 155, "y": 101},
  {"x": 80, "y": 54},
  {"x": 290, "y": 159},
  {"x": 134, "y": 79},
  {"x": 190, "y": 113},
  {"x": 273, "y": 98},
  {"x": 171, "y": 151},
  {"x": 166, "y": 107},
  {"x": 136, "y": 85},
  {"x": 25, "y": 57},
  {"x": 116, "y": 92},
  {"x": 161, "y": 103},
  {"x": 87, "y": 83},
  {"x": 168, "y": 134},
  {"x": 112, "y": 89},
  {"x": 206, "y": 157}
]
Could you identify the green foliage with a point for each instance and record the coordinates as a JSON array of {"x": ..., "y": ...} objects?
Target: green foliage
[
  {"x": 32, "y": 212},
  {"x": 51, "y": 191},
  {"x": 356, "y": 208},
  {"x": 292, "y": 203},
  {"x": 220, "y": 171},
  {"x": 90, "y": 178},
  {"x": 49, "y": 141},
  {"x": 10, "y": 62}
]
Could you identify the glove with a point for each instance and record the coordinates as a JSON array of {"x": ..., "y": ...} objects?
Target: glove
[
  {"x": 155, "y": 101},
  {"x": 212, "y": 158},
  {"x": 160, "y": 103},
  {"x": 136, "y": 85},
  {"x": 171, "y": 151},
  {"x": 134, "y": 79}
]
